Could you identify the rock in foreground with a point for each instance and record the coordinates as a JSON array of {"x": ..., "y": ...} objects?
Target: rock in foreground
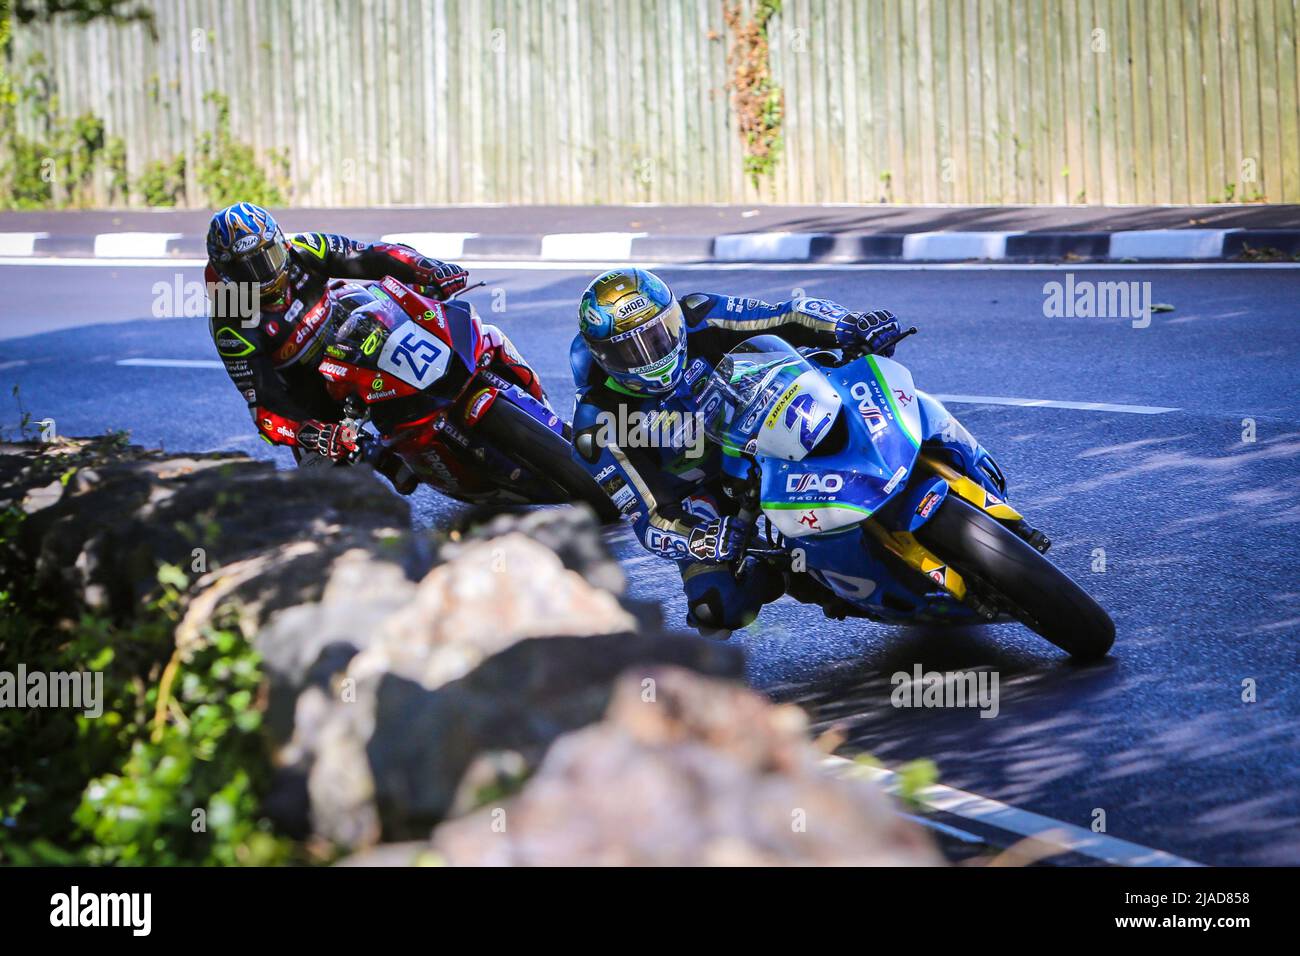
[
  {"x": 686, "y": 771},
  {"x": 414, "y": 682}
]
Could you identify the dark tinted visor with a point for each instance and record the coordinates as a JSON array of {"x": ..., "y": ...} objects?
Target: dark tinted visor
[{"x": 260, "y": 265}]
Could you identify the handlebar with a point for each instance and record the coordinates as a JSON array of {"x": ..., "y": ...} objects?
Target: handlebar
[
  {"x": 480, "y": 282},
  {"x": 855, "y": 353},
  {"x": 911, "y": 331}
]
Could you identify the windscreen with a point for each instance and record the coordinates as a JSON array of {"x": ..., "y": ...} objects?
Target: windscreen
[{"x": 746, "y": 386}]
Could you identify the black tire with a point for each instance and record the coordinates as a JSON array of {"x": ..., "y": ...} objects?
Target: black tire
[
  {"x": 529, "y": 442},
  {"x": 1023, "y": 582}
]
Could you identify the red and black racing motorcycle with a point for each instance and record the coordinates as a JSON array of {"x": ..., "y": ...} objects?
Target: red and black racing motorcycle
[{"x": 453, "y": 399}]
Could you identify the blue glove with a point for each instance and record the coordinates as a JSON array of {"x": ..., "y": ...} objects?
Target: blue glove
[
  {"x": 874, "y": 332},
  {"x": 718, "y": 540}
]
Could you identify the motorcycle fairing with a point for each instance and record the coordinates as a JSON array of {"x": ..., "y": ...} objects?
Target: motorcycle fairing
[
  {"x": 517, "y": 395},
  {"x": 834, "y": 488},
  {"x": 903, "y": 453},
  {"x": 953, "y": 453},
  {"x": 798, "y": 420},
  {"x": 376, "y": 364}
]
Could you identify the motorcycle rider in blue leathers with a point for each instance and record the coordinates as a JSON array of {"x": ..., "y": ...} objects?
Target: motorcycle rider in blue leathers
[{"x": 639, "y": 360}]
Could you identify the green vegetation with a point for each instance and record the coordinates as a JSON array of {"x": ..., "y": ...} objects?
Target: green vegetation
[
  {"x": 162, "y": 183},
  {"x": 81, "y": 11},
  {"x": 759, "y": 102},
  {"x": 228, "y": 169},
  {"x": 912, "y": 779},
  {"x": 73, "y": 163},
  {"x": 59, "y": 167},
  {"x": 174, "y": 769}
]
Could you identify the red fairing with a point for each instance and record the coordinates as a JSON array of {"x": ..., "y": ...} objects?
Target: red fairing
[
  {"x": 439, "y": 461},
  {"x": 277, "y": 428},
  {"x": 422, "y": 309},
  {"x": 343, "y": 379},
  {"x": 478, "y": 404}
]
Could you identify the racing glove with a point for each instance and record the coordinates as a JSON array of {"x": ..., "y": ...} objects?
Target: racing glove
[
  {"x": 336, "y": 441},
  {"x": 443, "y": 280},
  {"x": 873, "y": 332},
  {"x": 718, "y": 540}
]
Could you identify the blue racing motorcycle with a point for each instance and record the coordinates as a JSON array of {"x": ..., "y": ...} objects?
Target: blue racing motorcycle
[{"x": 878, "y": 494}]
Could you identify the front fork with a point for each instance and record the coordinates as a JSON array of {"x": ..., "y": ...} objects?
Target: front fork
[{"x": 933, "y": 480}]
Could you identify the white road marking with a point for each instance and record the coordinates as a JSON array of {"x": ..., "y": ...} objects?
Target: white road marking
[
  {"x": 533, "y": 265},
  {"x": 956, "y": 245},
  {"x": 1025, "y": 823},
  {"x": 439, "y": 245},
  {"x": 133, "y": 244},
  {"x": 19, "y": 243},
  {"x": 585, "y": 245},
  {"x": 171, "y": 363},
  {"x": 1049, "y": 403}
]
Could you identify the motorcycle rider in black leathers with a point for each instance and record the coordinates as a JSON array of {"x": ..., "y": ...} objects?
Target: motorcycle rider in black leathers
[
  {"x": 271, "y": 316},
  {"x": 642, "y": 355}
]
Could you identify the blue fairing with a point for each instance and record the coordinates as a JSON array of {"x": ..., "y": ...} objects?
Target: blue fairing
[
  {"x": 860, "y": 463},
  {"x": 863, "y": 467}
]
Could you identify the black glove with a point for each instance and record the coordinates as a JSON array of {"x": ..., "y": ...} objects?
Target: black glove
[
  {"x": 337, "y": 441},
  {"x": 874, "y": 332},
  {"x": 442, "y": 280},
  {"x": 718, "y": 540}
]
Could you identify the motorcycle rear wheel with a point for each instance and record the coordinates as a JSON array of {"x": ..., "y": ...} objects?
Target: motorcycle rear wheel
[
  {"x": 546, "y": 454},
  {"x": 1021, "y": 581}
]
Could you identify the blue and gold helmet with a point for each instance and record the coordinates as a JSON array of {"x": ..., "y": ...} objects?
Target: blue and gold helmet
[
  {"x": 633, "y": 326},
  {"x": 245, "y": 244}
]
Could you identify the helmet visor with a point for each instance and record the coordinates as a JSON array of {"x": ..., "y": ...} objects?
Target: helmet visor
[
  {"x": 644, "y": 347},
  {"x": 260, "y": 265}
]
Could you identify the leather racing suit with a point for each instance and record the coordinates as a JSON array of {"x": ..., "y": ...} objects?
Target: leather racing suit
[
  {"x": 271, "y": 351},
  {"x": 671, "y": 489}
]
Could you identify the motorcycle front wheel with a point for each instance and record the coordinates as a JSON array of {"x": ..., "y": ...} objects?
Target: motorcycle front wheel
[
  {"x": 999, "y": 564},
  {"x": 530, "y": 443}
]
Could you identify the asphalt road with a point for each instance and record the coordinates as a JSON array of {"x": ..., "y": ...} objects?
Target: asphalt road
[{"x": 1199, "y": 527}]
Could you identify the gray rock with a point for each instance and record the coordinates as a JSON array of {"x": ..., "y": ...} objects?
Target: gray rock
[
  {"x": 502, "y": 648},
  {"x": 409, "y": 684},
  {"x": 38, "y": 499},
  {"x": 686, "y": 771},
  {"x": 97, "y": 540}
]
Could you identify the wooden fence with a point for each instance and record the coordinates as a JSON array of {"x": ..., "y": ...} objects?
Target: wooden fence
[{"x": 575, "y": 101}]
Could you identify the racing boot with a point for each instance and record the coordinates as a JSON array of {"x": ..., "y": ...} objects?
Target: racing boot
[{"x": 806, "y": 589}]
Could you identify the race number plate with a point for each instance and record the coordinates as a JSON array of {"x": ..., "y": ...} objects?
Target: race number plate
[{"x": 415, "y": 355}]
